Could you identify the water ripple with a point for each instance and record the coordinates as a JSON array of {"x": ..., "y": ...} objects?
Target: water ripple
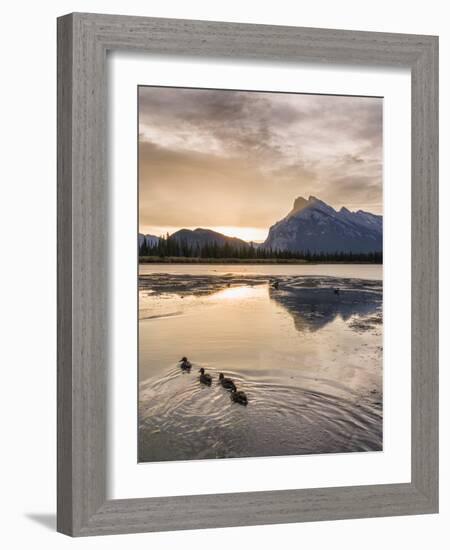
[{"x": 181, "y": 419}]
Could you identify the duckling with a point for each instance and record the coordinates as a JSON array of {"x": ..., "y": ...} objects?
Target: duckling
[
  {"x": 239, "y": 397},
  {"x": 185, "y": 364},
  {"x": 205, "y": 378},
  {"x": 227, "y": 383}
]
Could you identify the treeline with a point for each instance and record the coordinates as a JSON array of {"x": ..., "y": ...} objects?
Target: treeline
[{"x": 175, "y": 248}]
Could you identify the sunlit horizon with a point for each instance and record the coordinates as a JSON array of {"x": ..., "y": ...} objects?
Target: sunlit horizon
[{"x": 248, "y": 234}]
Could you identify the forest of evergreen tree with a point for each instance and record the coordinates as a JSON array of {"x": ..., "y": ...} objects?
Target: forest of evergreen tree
[{"x": 169, "y": 247}]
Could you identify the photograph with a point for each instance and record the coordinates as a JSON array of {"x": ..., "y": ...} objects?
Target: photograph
[{"x": 260, "y": 273}]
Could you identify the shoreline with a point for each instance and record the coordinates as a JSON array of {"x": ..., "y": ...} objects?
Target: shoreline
[{"x": 319, "y": 287}]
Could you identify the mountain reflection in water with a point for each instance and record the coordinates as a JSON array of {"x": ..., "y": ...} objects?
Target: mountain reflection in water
[{"x": 313, "y": 309}]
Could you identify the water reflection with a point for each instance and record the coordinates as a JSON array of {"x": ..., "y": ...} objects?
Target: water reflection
[
  {"x": 313, "y": 309},
  {"x": 234, "y": 293},
  {"x": 312, "y": 302},
  {"x": 308, "y": 358}
]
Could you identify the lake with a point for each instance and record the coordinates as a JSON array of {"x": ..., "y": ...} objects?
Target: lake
[{"x": 303, "y": 341}]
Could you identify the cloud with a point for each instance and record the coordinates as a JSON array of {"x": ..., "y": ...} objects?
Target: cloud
[
  {"x": 185, "y": 188},
  {"x": 216, "y": 157}
]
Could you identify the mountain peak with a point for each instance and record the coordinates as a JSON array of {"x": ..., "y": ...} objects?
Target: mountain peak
[
  {"x": 314, "y": 225},
  {"x": 299, "y": 203},
  {"x": 313, "y": 202}
]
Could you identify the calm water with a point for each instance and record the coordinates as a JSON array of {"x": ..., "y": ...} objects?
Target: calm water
[{"x": 309, "y": 360}]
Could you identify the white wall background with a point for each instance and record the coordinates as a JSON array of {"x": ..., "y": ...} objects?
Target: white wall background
[{"x": 28, "y": 271}]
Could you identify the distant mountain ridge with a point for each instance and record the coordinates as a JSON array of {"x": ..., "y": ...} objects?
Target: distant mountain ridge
[
  {"x": 150, "y": 240},
  {"x": 201, "y": 237},
  {"x": 196, "y": 238},
  {"x": 314, "y": 226}
]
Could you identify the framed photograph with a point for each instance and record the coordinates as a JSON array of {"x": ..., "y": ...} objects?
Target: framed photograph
[
  {"x": 247, "y": 274},
  {"x": 275, "y": 316}
]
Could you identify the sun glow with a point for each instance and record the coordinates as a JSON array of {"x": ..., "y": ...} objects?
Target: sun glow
[
  {"x": 255, "y": 234},
  {"x": 239, "y": 293}
]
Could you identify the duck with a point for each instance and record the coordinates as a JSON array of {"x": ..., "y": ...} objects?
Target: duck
[
  {"x": 185, "y": 364},
  {"x": 239, "y": 397},
  {"x": 205, "y": 378},
  {"x": 275, "y": 284},
  {"x": 227, "y": 383},
  {"x": 336, "y": 291}
]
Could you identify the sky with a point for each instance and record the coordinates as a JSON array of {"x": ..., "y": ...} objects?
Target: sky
[{"x": 235, "y": 161}]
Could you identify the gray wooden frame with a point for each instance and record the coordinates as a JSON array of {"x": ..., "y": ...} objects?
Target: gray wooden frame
[{"x": 83, "y": 41}]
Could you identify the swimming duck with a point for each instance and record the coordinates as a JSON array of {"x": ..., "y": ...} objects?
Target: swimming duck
[
  {"x": 185, "y": 364},
  {"x": 205, "y": 378},
  {"x": 227, "y": 383},
  {"x": 275, "y": 284},
  {"x": 239, "y": 397},
  {"x": 336, "y": 291}
]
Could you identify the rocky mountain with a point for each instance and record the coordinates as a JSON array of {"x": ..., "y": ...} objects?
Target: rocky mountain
[
  {"x": 315, "y": 226},
  {"x": 200, "y": 237}
]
